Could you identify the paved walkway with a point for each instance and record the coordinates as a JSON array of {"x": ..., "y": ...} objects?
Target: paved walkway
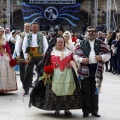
[{"x": 13, "y": 106}]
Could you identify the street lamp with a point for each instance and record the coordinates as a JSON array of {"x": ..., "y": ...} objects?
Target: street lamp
[{"x": 4, "y": 20}]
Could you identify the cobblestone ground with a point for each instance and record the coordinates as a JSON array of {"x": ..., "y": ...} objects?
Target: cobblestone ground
[{"x": 13, "y": 106}]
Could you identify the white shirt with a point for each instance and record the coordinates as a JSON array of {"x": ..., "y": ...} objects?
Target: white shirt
[
  {"x": 33, "y": 44},
  {"x": 92, "y": 53},
  {"x": 7, "y": 35},
  {"x": 18, "y": 44},
  {"x": 105, "y": 57}
]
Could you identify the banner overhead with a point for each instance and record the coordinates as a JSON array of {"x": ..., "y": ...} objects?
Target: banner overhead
[{"x": 52, "y": 14}]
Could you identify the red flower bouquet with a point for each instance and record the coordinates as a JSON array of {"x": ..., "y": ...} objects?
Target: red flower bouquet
[
  {"x": 48, "y": 69},
  {"x": 13, "y": 62},
  {"x": 47, "y": 75}
]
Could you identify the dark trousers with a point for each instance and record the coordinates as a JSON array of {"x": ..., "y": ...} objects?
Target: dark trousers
[
  {"x": 118, "y": 63},
  {"x": 29, "y": 72},
  {"x": 90, "y": 99},
  {"x": 22, "y": 68},
  {"x": 106, "y": 65},
  {"x": 114, "y": 62},
  {"x": 111, "y": 67}
]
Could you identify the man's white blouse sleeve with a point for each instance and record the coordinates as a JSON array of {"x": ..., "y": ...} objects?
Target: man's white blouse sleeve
[
  {"x": 18, "y": 46},
  {"x": 24, "y": 47}
]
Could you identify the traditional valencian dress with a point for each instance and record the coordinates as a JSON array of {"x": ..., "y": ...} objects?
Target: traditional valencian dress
[
  {"x": 7, "y": 74},
  {"x": 64, "y": 93}
]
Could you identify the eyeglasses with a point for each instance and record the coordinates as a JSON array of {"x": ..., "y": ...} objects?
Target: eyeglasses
[{"x": 91, "y": 31}]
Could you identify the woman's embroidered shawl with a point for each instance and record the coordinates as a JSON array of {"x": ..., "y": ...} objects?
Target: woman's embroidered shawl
[{"x": 83, "y": 50}]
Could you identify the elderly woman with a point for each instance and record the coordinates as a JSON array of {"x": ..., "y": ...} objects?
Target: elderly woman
[
  {"x": 63, "y": 91},
  {"x": 7, "y": 74},
  {"x": 12, "y": 41},
  {"x": 68, "y": 40}
]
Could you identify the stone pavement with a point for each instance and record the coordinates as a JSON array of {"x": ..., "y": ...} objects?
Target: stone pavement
[{"x": 13, "y": 106}]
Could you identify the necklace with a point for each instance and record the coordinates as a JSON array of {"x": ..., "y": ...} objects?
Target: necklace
[
  {"x": 61, "y": 51},
  {"x": 62, "y": 54},
  {"x": 1, "y": 41}
]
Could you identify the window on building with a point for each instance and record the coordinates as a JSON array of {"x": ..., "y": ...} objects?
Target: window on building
[{"x": 4, "y": 1}]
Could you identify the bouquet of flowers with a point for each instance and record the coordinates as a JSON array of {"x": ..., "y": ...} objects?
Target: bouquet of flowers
[
  {"x": 47, "y": 74},
  {"x": 13, "y": 62}
]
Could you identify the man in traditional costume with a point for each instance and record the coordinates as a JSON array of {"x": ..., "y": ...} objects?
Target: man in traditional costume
[
  {"x": 34, "y": 47},
  {"x": 90, "y": 56},
  {"x": 19, "y": 51}
]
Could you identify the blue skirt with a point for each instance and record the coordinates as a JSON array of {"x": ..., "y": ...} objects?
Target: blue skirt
[{"x": 17, "y": 68}]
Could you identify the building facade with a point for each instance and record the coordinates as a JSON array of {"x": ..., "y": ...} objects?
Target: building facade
[{"x": 86, "y": 16}]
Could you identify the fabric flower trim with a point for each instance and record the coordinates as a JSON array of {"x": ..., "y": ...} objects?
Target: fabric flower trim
[
  {"x": 68, "y": 65},
  {"x": 33, "y": 49},
  {"x": 56, "y": 65}
]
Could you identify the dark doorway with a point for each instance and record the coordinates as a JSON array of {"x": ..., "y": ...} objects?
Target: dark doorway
[
  {"x": 18, "y": 22},
  {"x": 84, "y": 21}
]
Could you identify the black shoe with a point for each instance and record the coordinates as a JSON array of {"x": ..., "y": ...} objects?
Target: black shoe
[
  {"x": 26, "y": 93},
  {"x": 115, "y": 72},
  {"x": 1, "y": 93},
  {"x": 57, "y": 112},
  {"x": 34, "y": 73},
  {"x": 67, "y": 112},
  {"x": 110, "y": 70},
  {"x": 106, "y": 70},
  {"x": 85, "y": 115},
  {"x": 31, "y": 85},
  {"x": 95, "y": 114}
]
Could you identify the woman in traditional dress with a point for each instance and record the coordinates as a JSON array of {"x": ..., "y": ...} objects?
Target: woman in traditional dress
[
  {"x": 64, "y": 92},
  {"x": 12, "y": 40},
  {"x": 68, "y": 40},
  {"x": 7, "y": 74},
  {"x": 70, "y": 45}
]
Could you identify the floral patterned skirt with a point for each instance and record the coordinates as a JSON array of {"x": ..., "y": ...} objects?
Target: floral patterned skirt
[
  {"x": 7, "y": 75},
  {"x": 45, "y": 98}
]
